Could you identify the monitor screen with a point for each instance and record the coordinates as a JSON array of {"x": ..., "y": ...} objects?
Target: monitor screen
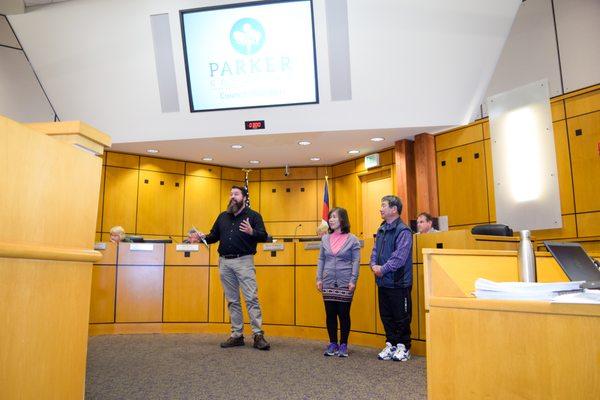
[{"x": 256, "y": 54}]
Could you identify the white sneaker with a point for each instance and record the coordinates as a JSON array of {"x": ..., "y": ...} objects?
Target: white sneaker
[
  {"x": 401, "y": 353},
  {"x": 387, "y": 352}
]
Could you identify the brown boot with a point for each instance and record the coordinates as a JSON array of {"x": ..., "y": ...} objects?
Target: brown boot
[
  {"x": 234, "y": 341},
  {"x": 260, "y": 342}
]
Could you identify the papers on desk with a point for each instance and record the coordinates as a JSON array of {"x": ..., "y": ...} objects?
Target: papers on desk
[
  {"x": 486, "y": 289},
  {"x": 586, "y": 297}
]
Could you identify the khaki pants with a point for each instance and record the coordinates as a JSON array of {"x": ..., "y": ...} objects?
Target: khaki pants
[{"x": 236, "y": 274}]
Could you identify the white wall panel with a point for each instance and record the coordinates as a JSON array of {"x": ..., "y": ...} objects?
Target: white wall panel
[
  {"x": 21, "y": 97},
  {"x": 530, "y": 52},
  {"x": 578, "y": 27},
  {"x": 7, "y": 37},
  {"x": 407, "y": 58}
]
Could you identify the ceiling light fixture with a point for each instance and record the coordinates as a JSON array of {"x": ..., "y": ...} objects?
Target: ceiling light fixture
[
  {"x": 237, "y": 146},
  {"x": 152, "y": 151},
  {"x": 377, "y": 139},
  {"x": 304, "y": 143},
  {"x": 254, "y": 162},
  {"x": 353, "y": 152},
  {"x": 315, "y": 159},
  {"x": 207, "y": 158}
]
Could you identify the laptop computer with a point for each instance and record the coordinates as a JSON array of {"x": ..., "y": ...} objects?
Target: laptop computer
[{"x": 573, "y": 259}]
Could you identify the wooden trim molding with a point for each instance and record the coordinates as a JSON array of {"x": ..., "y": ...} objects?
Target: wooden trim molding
[{"x": 35, "y": 252}]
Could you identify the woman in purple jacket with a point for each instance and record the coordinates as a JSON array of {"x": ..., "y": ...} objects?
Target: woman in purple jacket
[{"x": 337, "y": 273}]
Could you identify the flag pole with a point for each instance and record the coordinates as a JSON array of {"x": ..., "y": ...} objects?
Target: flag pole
[{"x": 247, "y": 171}]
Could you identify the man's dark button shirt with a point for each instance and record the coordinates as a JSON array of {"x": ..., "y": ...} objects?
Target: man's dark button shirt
[{"x": 232, "y": 241}]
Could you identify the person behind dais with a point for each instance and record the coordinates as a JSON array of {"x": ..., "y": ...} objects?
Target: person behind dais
[
  {"x": 425, "y": 223},
  {"x": 117, "y": 234}
]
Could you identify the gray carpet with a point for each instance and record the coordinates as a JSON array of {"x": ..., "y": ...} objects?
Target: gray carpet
[{"x": 186, "y": 366}]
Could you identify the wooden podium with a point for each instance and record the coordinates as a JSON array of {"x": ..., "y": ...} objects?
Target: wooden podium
[
  {"x": 505, "y": 349},
  {"x": 49, "y": 193}
]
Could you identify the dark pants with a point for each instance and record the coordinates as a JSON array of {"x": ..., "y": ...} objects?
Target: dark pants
[
  {"x": 395, "y": 309},
  {"x": 333, "y": 311}
]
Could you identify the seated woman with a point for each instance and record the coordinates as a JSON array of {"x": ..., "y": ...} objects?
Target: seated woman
[
  {"x": 117, "y": 234},
  {"x": 337, "y": 273}
]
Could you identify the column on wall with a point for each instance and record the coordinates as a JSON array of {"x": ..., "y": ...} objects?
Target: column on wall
[
  {"x": 425, "y": 174},
  {"x": 404, "y": 158}
]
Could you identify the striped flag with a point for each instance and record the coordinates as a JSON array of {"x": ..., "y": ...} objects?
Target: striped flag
[
  {"x": 325, "y": 215},
  {"x": 321, "y": 229},
  {"x": 247, "y": 191}
]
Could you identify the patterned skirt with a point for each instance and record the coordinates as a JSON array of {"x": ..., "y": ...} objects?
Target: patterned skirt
[{"x": 337, "y": 294}]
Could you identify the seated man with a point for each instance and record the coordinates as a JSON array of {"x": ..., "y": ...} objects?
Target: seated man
[
  {"x": 192, "y": 236},
  {"x": 425, "y": 223}
]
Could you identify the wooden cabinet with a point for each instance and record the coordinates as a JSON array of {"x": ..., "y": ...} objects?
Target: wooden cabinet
[
  {"x": 459, "y": 137},
  {"x": 186, "y": 294},
  {"x": 120, "y": 198},
  {"x": 100, "y": 202},
  {"x": 216, "y": 297},
  {"x": 202, "y": 204},
  {"x": 275, "y": 294},
  {"x": 310, "y": 310},
  {"x": 462, "y": 184},
  {"x": 102, "y": 302},
  {"x": 160, "y": 204},
  {"x": 344, "y": 189},
  {"x": 563, "y": 163},
  {"x": 288, "y": 201},
  {"x": 489, "y": 173},
  {"x": 584, "y": 138}
]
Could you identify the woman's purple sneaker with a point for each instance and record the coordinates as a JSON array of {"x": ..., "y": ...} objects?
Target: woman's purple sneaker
[
  {"x": 343, "y": 351},
  {"x": 331, "y": 350}
]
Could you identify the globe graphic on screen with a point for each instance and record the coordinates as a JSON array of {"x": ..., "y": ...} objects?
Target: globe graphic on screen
[{"x": 247, "y": 36}]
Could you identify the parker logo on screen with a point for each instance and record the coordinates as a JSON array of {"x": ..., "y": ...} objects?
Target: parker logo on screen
[
  {"x": 254, "y": 54},
  {"x": 247, "y": 36}
]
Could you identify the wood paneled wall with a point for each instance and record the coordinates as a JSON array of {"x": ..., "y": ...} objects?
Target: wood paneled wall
[
  {"x": 347, "y": 186},
  {"x": 465, "y": 178},
  {"x": 158, "y": 197}
]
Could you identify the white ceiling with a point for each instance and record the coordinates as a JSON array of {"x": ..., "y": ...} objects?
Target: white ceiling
[
  {"x": 416, "y": 67},
  {"x": 275, "y": 150}
]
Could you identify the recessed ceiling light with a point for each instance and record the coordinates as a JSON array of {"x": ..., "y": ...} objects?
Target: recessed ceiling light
[
  {"x": 207, "y": 158},
  {"x": 237, "y": 146},
  {"x": 304, "y": 143},
  {"x": 152, "y": 151},
  {"x": 377, "y": 139},
  {"x": 353, "y": 152},
  {"x": 254, "y": 162},
  {"x": 315, "y": 159}
]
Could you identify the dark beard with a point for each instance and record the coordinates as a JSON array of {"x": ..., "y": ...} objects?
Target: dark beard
[{"x": 234, "y": 206}]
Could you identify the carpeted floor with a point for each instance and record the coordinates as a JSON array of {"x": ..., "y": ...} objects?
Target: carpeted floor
[{"x": 186, "y": 366}]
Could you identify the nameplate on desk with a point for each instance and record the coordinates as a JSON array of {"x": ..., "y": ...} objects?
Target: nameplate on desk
[
  {"x": 187, "y": 247},
  {"x": 100, "y": 246},
  {"x": 312, "y": 245},
  {"x": 141, "y": 247},
  {"x": 273, "y": 246}
]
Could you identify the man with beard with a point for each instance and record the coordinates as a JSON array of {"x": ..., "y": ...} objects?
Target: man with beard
[{"x": 238, "y": 230}]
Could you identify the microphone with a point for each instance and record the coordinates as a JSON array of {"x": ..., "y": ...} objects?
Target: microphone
[
  {"x": 202, "y": 239},
  {"x": 296, "y": 229}
]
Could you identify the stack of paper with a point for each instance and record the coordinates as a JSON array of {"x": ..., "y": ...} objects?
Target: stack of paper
[
  {"x": 486, "y": 289},
  {"x": 586, "y": 297}
]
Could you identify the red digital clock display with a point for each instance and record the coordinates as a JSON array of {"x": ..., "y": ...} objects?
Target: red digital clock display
[{"x": 254, "y": 125}]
